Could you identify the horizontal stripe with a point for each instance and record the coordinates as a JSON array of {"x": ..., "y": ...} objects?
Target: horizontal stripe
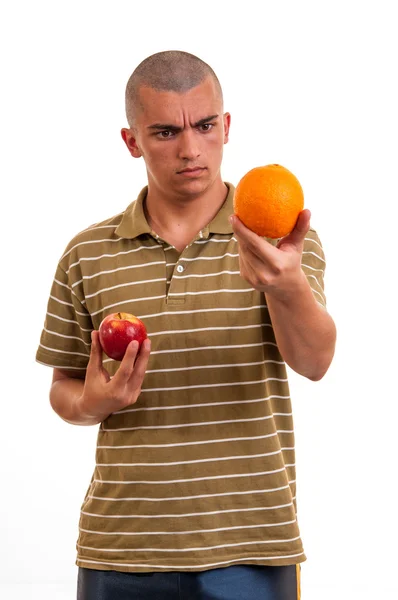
[
  {"x": 113, "y": 255},
  {"x": 123, "y": 285},
  {"x": 126, "y": 268},
  {"x": 247, "y": 559},
  {"x": 64, "y": 351},
  {"x": 199, "y": 405},
  {"x": 66, "y": 367},
  {"x": 66, "y": 337},
  {"x": 224, "y": 309},
  {"x": 203, "y": 275},
  {"x": 201, "y": 531},
  {"x": 215, "y": 366},
  {"x": 197, "y": 496},
  {"x": 207, "y": 258},
  {"x": 195, "y": 443},
  {"x": 182, "y": 515},
  {"x": 179, "y": 425},
  {"x": 215, "y": 291},
  {"x": 212, "y": 385},
  {"x": 102, "y": 241},
  {"x": 312, "y": 268},
  {"x": 168, "y": 481},
  {"x": 67, "y": 321},
  {"x": 316, "y": 255},
  {"x": 190, "y": 462}
]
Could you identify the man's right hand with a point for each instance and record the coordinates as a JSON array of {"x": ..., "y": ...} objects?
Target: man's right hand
[
  {"x": 92, "y": 400},
  {"x": 103, "y": 395}
]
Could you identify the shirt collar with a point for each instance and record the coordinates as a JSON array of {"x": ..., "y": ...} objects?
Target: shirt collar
[{"x": 134, "y": 222}]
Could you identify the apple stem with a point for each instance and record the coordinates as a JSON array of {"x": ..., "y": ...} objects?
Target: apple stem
[{"x": 120, "y": 316}]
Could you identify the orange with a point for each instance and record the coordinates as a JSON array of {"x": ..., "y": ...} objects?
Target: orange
[{"x": 268, "y": 200}]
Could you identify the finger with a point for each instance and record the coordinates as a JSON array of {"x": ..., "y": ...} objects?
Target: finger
[
  {"x": 141, "y": 365},
  {"x": 95, "y": 360},
  {"x": 126, "y": 367},
  {"x": 257, "y": 244},
  {"x": 300, "y": 230},
  {"x": 252, "y": 268}
]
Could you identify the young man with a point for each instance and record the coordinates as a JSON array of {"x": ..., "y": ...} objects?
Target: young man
[{"x": 193, "y": 494}]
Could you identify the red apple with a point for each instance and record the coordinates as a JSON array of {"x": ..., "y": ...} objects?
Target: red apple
[{"x": 117, "y": 330}]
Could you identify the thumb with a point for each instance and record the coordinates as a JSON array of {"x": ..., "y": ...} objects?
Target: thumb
[
  {"x": 95, "y": 362},
  {"x": 297, "y": 235}
]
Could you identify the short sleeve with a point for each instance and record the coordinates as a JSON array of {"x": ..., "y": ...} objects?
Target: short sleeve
[
  {"x": 313, "y": 264},
  {"x": 66, "y": 336}
]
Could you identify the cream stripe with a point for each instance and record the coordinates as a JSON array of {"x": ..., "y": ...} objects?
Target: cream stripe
[
  {"x": 196, "y": 443},
  {"x": 150, "y": 264},
  {"x": 176, "y": 426},
  {"x": 212, "y": 385},
  {"x": 235, "y": 527},
  {"x": 109, "y": 240},
  {"x": 219, "y": 291},
  {"x": 69, "y": 320},
  {"x": 62, "y": 284},
  {"x": 163, "y": 499},
  {"x": 312, "y": 268},
  {"x": 210, "y": 348},
  {"x": 168, "y": 481},
  {"x": 317, "y": 281},
  {"x": 123, "y": 285},
  {"x": 191, "y": 462},
  {"x": 66, "y": 367},
  {"x": 214, "y": 366},
  {"x": 176, "y": 312},
  {"x": 308, "y": 239},
  {"x": 318, "y": 293},
  {"x": 194, "y": 425},
  {"x": 61, "y": 301},
  {"x": 240, "y": 327},
  {"x": 200, "y": 405},
  {"x": 206, "y": 275},
  {"x": 129, "y": 301},
  {"x": 315, "y": 254},
  {"x": 124, "y": 252},
  {"x": 216, "y": 240},
  {"x": 64, "y": 351},
  {"x": 246, "y": 560},
  {"x": 68, "y": 337},
  {"x": 179, "y": 516},
  {"x": 197, "y": 258}
]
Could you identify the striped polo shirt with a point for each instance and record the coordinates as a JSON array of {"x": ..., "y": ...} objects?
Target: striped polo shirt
[{"x": 199, "y": 473}]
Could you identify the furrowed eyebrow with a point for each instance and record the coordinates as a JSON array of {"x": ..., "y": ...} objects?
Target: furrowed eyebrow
[{"x": 169, "y": 127}]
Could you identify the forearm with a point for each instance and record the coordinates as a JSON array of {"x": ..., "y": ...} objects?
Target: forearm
[
  {"x": 305, "y": 333},
  {"x": 65, "y": 399}
]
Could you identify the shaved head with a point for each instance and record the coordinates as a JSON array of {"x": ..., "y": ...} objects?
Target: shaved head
[{"x": 173, "y": 71}]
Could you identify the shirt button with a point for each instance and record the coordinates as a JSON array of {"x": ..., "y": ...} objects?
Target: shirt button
[{"x": 180, "y": 268}]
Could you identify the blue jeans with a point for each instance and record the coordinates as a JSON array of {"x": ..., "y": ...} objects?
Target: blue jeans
[{"x": 238, "y": 582}]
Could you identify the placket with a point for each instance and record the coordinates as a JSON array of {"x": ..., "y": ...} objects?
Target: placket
[{"x": 177, "y": 268}]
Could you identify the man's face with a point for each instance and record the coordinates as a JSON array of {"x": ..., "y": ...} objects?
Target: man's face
[{"x": 180, "y": 137}]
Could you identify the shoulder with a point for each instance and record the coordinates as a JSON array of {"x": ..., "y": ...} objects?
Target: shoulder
[{"x": 88, "y": 240}]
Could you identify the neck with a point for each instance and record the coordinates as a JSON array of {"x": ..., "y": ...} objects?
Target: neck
[{"x": 178, "y": 220}]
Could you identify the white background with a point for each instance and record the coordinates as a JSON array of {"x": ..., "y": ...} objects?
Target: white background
[{"x": 311, "y": 86}]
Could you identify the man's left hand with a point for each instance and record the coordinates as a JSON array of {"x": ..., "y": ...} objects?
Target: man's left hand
[{"x": 274, "y": 270}]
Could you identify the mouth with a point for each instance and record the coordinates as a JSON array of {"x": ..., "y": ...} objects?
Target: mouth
[{"x": 191, "y": 171}]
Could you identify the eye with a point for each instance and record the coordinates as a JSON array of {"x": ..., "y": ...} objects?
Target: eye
[
  {"x": 206, "y": 127},
  {"x": 165, "y": 134}
]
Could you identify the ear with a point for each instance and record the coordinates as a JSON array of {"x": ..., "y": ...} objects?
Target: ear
[
  {"x": 227, "y": 124},
  {"x": 131, "y": 142}
]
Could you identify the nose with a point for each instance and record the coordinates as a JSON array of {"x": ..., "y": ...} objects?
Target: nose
[{"x": 189, "y": 145}]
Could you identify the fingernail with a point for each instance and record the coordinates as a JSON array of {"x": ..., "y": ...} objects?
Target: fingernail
[{"x": 231, "y": 219}]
